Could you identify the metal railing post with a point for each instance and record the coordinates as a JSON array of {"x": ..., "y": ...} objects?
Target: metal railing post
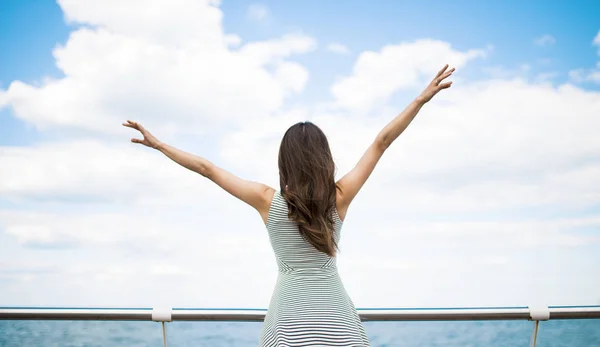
[
  {"x": 537, "y": 314},
  {"x": 162, "y": 315}
]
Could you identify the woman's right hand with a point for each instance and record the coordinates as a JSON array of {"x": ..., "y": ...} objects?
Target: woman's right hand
[
  {"x": 436, "y": 84},
  {"x": 148, "y": 140}
]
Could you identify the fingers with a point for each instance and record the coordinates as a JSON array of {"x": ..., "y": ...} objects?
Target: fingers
[
  {"x": 441, "y": 71},
  {"x": 133, "y": 125},
  {"x": 130, "y": 124},
  {"x": 138, "y": 126},
  {"x": 445, "y": 85},
  {"x": 444, "y": 76}
]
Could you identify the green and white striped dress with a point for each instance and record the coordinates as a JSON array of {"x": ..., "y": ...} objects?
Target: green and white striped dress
[{"x": 309, "y": 306}]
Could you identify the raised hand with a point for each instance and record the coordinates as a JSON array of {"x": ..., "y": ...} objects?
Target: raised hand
[
  {"x": 148, "y": 140},
  {"x": 436, "y": 84}
]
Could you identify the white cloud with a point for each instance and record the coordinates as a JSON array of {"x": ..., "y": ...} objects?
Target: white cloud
[
  {"x": 139, "y": 248},
  {"x": 393, "y": 68},
  {"x": 66, "y": 230},
  {"x": 132, "y": 67},
  {"x": 232, "y": 40},
  {"x": 170, "y": 270},
  {"x": 111, "y": 174},
  {"x": 585, "y": 75},
  {"x": 266, "y": 52},
  {"x": 258, "y": 12},
  {"x": 482, "y": 195},
  {"x": 545, "y": 40},
  {"x": 467, "y": 263},
  {"x": 338, "y": 48},
  {"x": 546, "y": 76},
  {"x": 180, "y": 22},
  {"x": 413, "y": 252}
]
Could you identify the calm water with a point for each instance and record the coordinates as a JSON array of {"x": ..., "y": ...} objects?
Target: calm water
[{"x": 572, "y": 333}]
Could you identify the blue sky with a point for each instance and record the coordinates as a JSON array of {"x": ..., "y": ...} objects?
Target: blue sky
[{"x": 495, "y": 180}]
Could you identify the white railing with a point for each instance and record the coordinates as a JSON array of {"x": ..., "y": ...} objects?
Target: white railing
[{"x": 535, "y": 314}]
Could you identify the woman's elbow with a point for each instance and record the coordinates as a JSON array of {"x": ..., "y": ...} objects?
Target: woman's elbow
[
  {"x": 204, "y": 168},
  {"x": 381, "y": 144}
]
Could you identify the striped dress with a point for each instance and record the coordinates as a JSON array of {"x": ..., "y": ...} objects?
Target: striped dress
[{"x": 309, "y": 306}]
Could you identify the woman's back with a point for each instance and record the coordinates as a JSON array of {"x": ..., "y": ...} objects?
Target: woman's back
[
  {"x": 291, "y": 249},
  {"x": 309, "y": 306}
]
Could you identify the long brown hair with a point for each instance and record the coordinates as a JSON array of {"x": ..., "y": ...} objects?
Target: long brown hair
[{"x": 306, "y": 179}]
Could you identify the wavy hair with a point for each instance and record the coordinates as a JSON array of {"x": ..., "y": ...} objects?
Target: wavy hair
[{"x": 306, "y": 178}]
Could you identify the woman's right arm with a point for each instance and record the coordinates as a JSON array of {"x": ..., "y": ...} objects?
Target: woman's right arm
[
  {"x": 253, "y": 193},
  {"x": 351, "y": 183}
]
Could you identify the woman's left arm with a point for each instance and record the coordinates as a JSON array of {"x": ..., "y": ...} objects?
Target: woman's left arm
[{"x": 255, "y": 194}]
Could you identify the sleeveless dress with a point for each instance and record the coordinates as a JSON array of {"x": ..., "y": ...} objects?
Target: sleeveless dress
[{"x": 309, "y": 306}]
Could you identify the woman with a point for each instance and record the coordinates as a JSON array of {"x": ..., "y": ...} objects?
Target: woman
[{"x": 309, "y": 306}]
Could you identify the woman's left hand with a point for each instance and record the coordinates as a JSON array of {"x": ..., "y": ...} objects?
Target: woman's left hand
[{"x": 436, "y": 85}]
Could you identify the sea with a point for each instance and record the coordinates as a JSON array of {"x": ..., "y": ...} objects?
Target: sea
[{"x": 558, "y": 333}]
